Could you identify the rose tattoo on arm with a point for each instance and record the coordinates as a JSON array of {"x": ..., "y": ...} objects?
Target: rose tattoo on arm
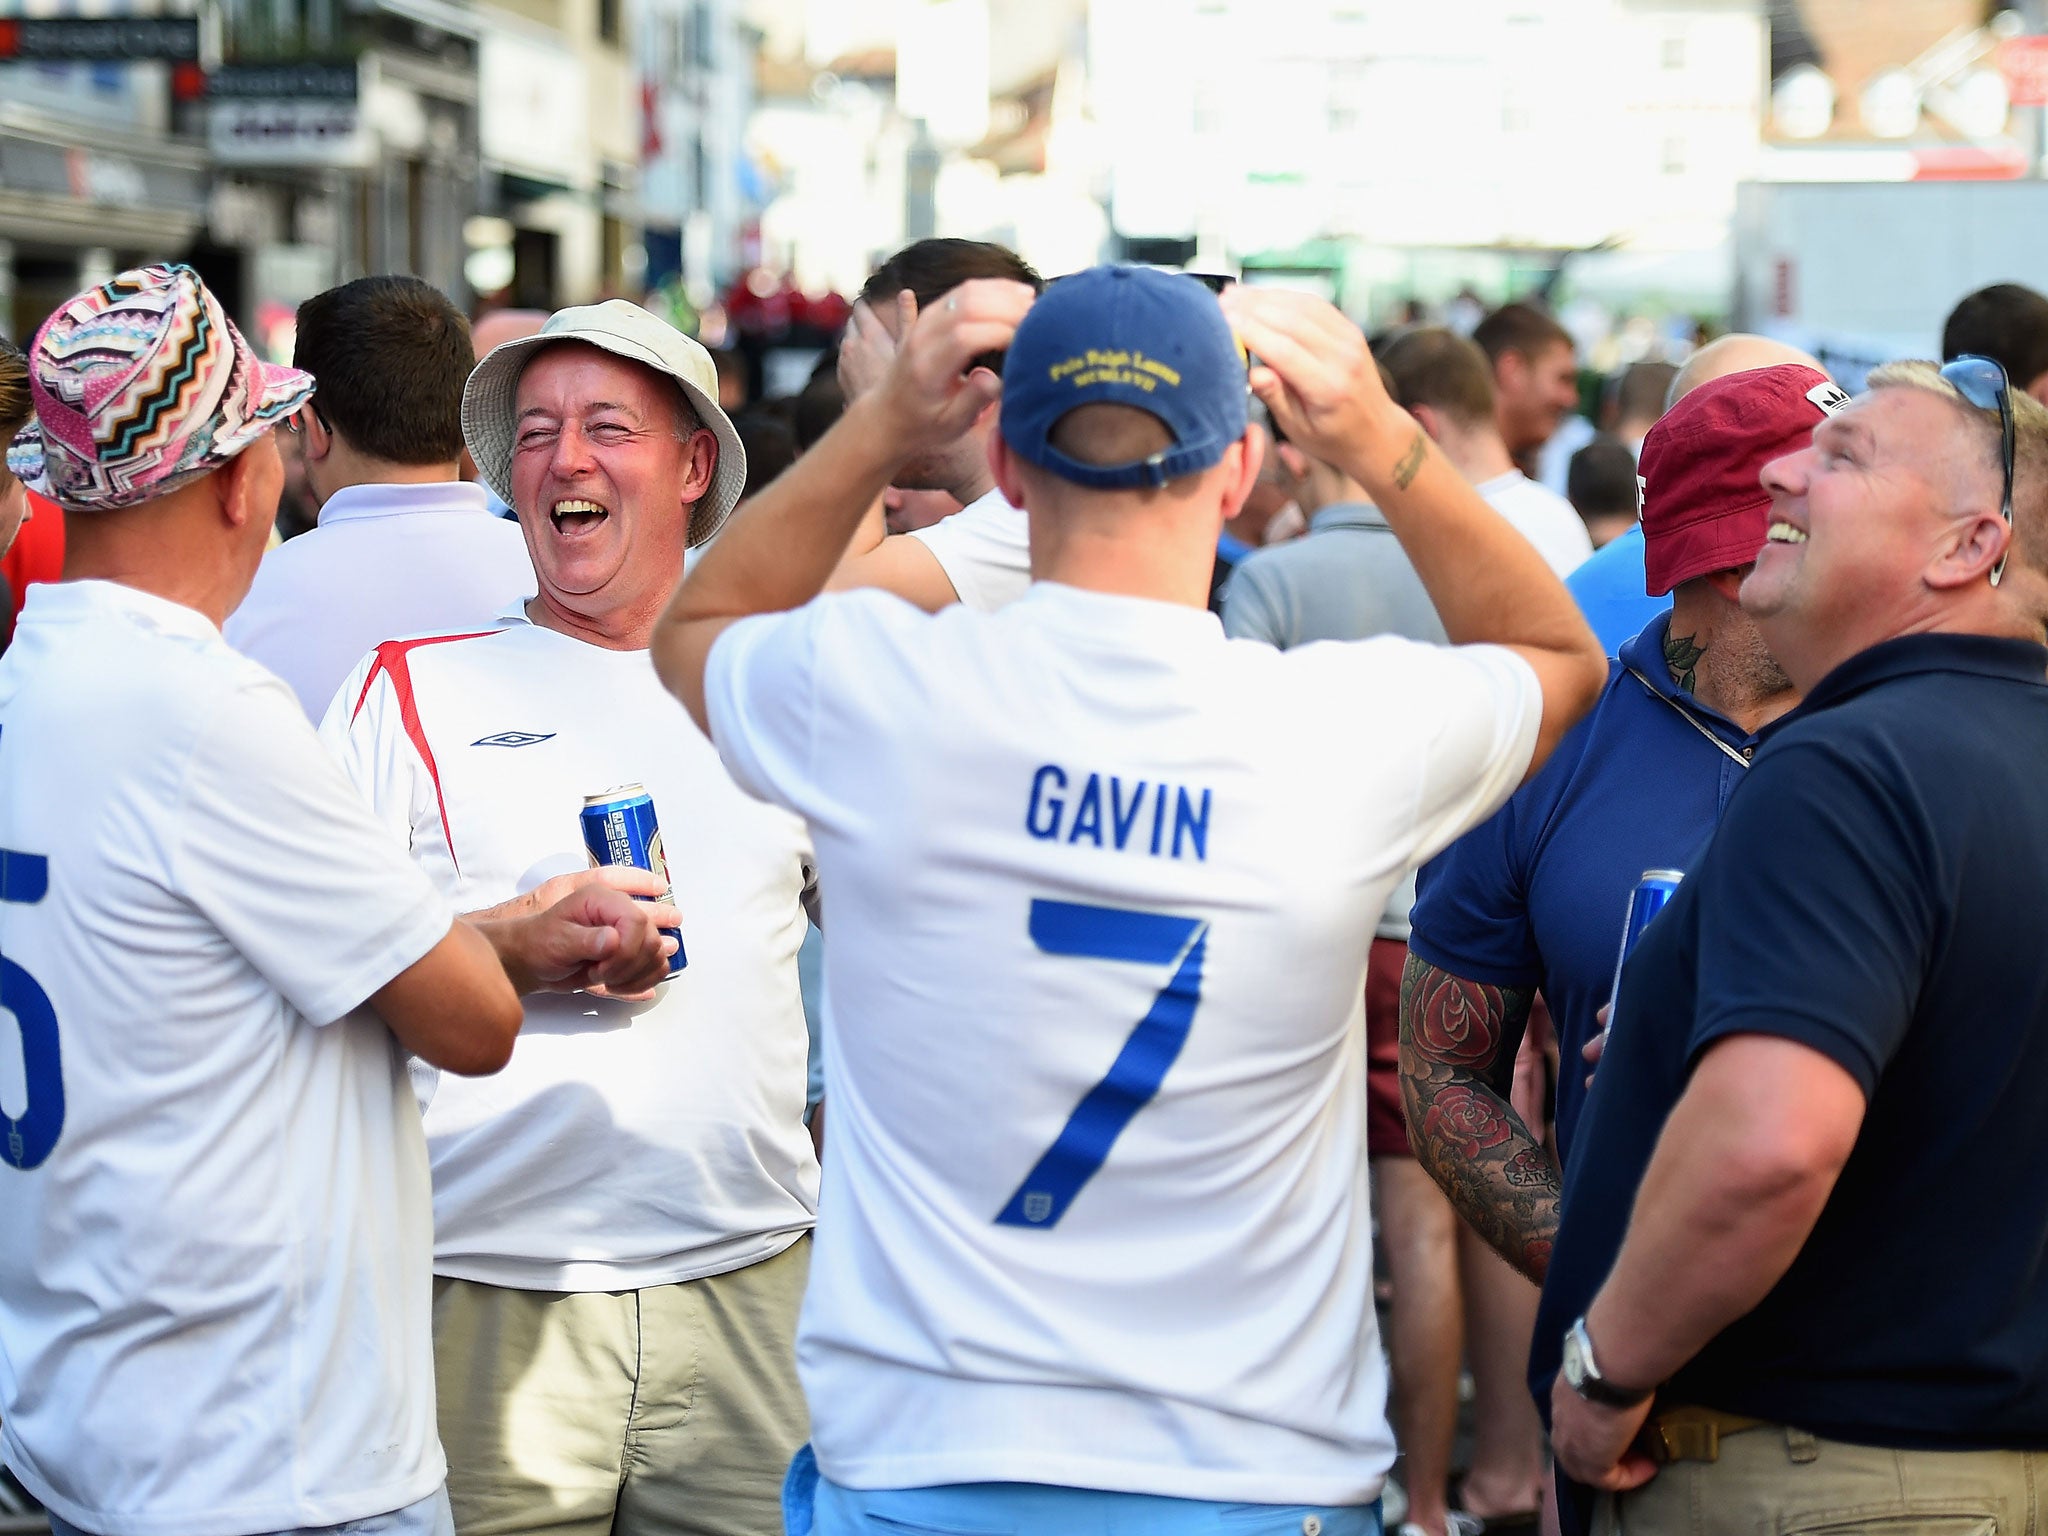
[{"x": 1458, "y": 1043}]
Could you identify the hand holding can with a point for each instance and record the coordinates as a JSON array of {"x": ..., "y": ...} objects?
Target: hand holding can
[
  {"x": 1651, "y": 894},
  {"x": 619, "y": 828}
]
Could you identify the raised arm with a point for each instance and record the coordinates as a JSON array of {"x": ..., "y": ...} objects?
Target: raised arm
[
  {"x": 784, "y": 545},
  {"x": 1487, "y": 581},
  {"x": 875, "y": 557},
  {"x": 1458, "y": 1044},
  {"x": 894, "y": 562}
]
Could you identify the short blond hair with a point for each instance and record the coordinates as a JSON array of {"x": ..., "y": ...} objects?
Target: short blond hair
[{"x": 2029, "y": 450}]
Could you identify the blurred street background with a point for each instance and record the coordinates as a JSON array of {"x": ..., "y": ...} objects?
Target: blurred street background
[
  {"x": 1648, "y": 168},
  {"x": 1833, "y": 173}
]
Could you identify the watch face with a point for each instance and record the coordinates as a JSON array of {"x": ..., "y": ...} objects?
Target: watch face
[
  {"x": 1583, "y": 1376},
  {"x": 1574, "y": 1364}
]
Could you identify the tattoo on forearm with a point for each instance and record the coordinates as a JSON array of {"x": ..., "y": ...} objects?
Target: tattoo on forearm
[
  {"x": 1682, "y": 656},
  {"x": 1411, "y": 462},
  {"x": 1458, "y": 1042}
]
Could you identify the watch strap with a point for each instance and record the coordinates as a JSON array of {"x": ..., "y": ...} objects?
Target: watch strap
[{"x": 1594, "y": 1387}]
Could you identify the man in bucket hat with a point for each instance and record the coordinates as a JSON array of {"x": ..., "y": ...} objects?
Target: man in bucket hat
[
  {"x": 213, "y": 1288},
  {"x": 619, "y": 1223},
  {"x": 1535, "y": 899}
]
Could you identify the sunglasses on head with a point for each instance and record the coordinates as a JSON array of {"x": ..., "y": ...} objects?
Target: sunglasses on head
[{"x": 1982, "y": 382}]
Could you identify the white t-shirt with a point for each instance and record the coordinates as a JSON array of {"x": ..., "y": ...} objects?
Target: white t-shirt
[
  {"x": 985, "y": 551},
  {"x": 627, "y": 1144},
  {"x": 1554, "y": 458},
  {"x": 214, "y": 1300},
  {"x": 1542, "y": 517},
  {"x": 1039, "y": 827},
  {"x": 386, "y": 560}
]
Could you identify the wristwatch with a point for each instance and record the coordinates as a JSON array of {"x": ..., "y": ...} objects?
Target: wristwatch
[{"x": 1582, "y": 1374}]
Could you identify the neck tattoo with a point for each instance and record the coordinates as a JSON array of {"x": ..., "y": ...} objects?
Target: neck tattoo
[{"x": 1682, "y": 656}]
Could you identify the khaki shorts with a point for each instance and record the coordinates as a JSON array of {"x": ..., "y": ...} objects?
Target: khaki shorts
[
  {"x": 1775, "y": 1481},
  {"x": 673, "y": 1409}
]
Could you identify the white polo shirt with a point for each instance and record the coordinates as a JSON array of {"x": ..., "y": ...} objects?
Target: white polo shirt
[
  {"x": 1103, "y": 886},
  {"x": 214, "y": 1299},
  {"x": 627, "y": 1144},
  {"x": 385, "y": 560},
  {"x": 985, "y": 551}
]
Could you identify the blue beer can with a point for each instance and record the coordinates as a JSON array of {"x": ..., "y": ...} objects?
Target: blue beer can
[
  {"x": 1650, "y": 897},
  {"x": 619, "y": 828}
]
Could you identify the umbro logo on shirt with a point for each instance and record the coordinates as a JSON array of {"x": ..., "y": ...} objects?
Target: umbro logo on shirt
[{"x": 513, "y": 739}]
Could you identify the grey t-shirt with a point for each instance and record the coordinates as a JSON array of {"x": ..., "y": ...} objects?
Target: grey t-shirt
[{"x": 1348, "y": 579}]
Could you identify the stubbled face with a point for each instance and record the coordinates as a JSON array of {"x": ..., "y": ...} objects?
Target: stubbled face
[
  {"x": 1857, "y": 518},
  {"x": 905, "y": 511},
  {"x": 1536, "y": 398},
  {"x": 603, "y": 480}
]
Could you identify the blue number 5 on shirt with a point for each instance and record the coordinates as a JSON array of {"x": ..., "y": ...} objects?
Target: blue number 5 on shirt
[
  {"x": 1111, "y": 933},
  {"x": 25, "y": 877}
]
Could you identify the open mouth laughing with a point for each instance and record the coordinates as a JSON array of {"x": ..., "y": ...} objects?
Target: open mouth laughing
[{"x": 573, "y": 515}]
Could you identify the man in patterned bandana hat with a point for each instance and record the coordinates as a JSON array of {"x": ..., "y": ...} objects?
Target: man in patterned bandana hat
[{"x": 214, "y": 1298}]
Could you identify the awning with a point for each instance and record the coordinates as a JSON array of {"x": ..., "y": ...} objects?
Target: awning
[{"x": 54, "y": 192}]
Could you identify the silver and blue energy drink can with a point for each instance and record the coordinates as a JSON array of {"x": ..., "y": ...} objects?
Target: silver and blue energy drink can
[
  {"x": 619, "y": 828},
  {"x": 1652, "y": 892}
]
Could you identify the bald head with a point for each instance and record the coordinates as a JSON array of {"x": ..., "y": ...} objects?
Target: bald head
[
  {"x": 493, "y": 330},
  {"x": 1737, "y": 352}
]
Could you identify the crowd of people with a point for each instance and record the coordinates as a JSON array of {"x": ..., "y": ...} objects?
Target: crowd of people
[{"x": 1221, "y": 766}]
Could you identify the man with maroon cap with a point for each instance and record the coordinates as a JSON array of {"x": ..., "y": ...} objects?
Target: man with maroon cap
[{"x": 1534, "y": 899}]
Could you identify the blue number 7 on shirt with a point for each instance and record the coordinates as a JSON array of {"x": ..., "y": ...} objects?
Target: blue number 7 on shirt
[{"x": 1083, "y": 1145}]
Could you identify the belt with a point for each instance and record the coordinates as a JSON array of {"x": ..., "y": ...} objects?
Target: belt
[{"x": 1692, "y": 1434}]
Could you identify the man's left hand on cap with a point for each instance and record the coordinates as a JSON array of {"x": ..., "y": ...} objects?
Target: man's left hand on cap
[{"x": 930, "y": 393}]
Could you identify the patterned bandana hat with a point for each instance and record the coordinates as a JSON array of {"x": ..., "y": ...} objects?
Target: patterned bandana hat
[
  {"x": 143, "y": 385},
  {"x": 25, "y": 457},
  {"x": 24, "y": 463}
]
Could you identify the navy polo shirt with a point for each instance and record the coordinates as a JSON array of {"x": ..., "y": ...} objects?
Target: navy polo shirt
[
  {"x": 1875, "y": 892},
  {"x": 1537, "y": 895}
]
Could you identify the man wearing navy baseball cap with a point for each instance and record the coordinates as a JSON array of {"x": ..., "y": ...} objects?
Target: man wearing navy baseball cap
[
  {"x": 1088, "y": 345},
  {"x": 1103, "y": 884}
]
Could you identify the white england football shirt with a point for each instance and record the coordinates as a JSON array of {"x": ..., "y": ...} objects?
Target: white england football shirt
[
  {"x": 985, "y": 551},
  {"x": 214, "y": 1298},
  {"x": 627, "y": 1144},
  {"x": 1103, "y": 886}
]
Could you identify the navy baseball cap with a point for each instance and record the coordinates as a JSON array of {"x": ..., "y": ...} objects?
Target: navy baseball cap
[{"x": 1126, "y": 336}]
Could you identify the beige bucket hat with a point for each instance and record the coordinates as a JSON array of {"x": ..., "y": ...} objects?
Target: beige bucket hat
[{"x": 627, "y": 330}]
